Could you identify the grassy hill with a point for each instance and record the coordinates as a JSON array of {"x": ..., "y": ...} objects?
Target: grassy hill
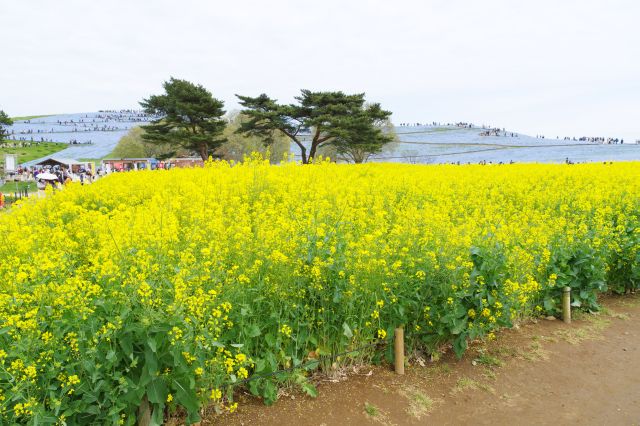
[
  {"x": 30, "y": 117},
  {"x": 39, "y": 150}
]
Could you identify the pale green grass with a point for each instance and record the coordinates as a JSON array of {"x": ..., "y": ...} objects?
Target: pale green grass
[
  {"x": 30, "y": 117},
  {"x": 36, "y": 150}
]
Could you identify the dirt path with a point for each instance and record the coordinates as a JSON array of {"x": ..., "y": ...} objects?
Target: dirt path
[{"x": 542, "y": 373}]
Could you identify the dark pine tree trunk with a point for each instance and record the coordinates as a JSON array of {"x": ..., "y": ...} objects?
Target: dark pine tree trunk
[{"x": 204, "y": 152}]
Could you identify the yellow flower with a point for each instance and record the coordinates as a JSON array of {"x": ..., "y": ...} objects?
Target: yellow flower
[
  {"x": 229, "y": 363},
  {"x": 46, "y": 336},
  {"x": 30, "y": 373},
  {"x": 242, "y": 373},
  {"x": 286, "y": 247},
  {"x": 215, "y": 394},
  {"x": 286, "y": 330}
]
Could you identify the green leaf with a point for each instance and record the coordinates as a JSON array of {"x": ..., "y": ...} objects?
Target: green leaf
[
  {"x": 254, "y": 331},
  {"x": 271, "y": 341},
  {"x": 151, "y": 361},
  {"x": 346, "y": 330},
  {"x": 460, "y": 345},
  {"x": 151, "y": 342},
  {"x": 186, "y": 397},
  {"x": 46, "y": 419},
  {"x": 254, "y": 388},
  {"x": 127, "y": 345},
  {"x": 458, "y": 325},
  {"x": 310, "y": 389},
  {"x": 312, "y": 365},
  {"x": 269, "y": 392},
  {"x": 157, "y": 417},
  {"x": 260, "y": 364},
  {"x": 134, "y": 393},
  {"x": 157, "y": 391}
]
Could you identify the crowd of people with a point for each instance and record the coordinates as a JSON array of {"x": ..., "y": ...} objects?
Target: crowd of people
[
  {"x": 104, "y": 121},
  {"x": 436, "y": 124},
  {"x": 23, "y": 141},
  {"x": 485, "y": 162},
  {"x": 76, "y": 129},
  {"x": 125, "y": 115},
  {"x": 54, "y": 177},
  {"x": 597, "y": 139},
  {"x": 496, "y": 131},
  {"x": 63, "y": 175},
  {"x": 591, "y": 139}
]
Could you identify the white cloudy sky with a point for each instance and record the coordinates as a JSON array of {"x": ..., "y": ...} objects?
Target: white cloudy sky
[{"x": 561, "y": 67}]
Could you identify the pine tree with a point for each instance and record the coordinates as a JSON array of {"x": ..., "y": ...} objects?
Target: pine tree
[
  {"x": 5, "y": 120},
  {"x": 331, "y": 117},
  {"x": 191, "y": 118}
]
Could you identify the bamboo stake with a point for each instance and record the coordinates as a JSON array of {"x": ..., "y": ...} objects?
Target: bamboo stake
[
  {"x": 144, "y": 412},
  {"x": 398, "y": 346},
  {"x": 566, "y": 305}
]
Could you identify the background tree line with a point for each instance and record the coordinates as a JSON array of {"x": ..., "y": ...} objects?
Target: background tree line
[
  {"x": 5, "y": 121},
  {"x": 329, "y": 124}
]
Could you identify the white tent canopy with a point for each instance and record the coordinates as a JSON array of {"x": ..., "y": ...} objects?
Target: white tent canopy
[{"x": 52, "y": 161}]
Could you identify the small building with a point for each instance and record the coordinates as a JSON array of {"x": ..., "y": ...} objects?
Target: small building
[
  {"x": 184, "y": 162},
  {"x": 64, "y": 163},
  {"x": 128, "y": 164}
]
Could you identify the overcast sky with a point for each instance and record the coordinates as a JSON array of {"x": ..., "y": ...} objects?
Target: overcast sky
[{"x": 554, "y": 67}]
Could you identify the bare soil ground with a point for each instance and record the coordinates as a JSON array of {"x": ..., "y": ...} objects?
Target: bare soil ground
[{"x": 543, "y": 372}]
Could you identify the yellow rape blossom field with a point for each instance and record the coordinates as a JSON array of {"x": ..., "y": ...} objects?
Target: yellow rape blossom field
[{"x": 178, "y": 286}]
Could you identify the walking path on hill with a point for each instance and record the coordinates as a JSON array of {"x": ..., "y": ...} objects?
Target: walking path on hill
[{"x": 543, "y": 372}]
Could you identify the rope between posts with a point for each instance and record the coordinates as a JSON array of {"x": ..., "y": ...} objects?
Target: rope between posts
[
  {"x": 378, "y": 342},
  {"x": 310, "y": 363}
]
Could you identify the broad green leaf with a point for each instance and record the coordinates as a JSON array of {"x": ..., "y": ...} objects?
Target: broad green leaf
[
  {"x": 346, "y": 330},
  {"x": 157, "y": 391},
  {"x": 310, "y": 389},
  {"x": 254, "y": 331},
  {"x": 186, "y": 396}
]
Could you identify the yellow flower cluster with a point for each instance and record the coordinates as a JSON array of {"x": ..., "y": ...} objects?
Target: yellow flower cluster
[{"x": 226, "y": 271}]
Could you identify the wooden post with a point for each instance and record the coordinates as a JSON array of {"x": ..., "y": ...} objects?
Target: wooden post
[
  {"x": 566, "y": 305},
  {"x": 398, "y": 346},
  {"x": 144, "y": 412}
]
